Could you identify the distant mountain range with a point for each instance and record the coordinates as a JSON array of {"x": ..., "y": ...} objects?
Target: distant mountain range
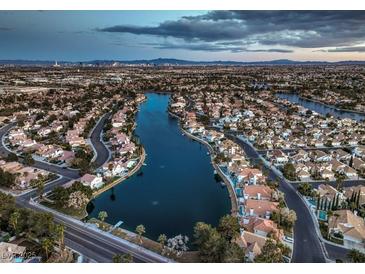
[{"x": 171, "y": 61}]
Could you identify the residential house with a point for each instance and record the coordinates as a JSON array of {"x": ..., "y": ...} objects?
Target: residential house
[
  {"x": 92, "y": 181},
  {"x": 278, "y": 157},
  {"x": 262, "y": 227},
  {"x": 258, "y": 192},
  {"x": 349, "y": 192},
  {"x": 329, "y": 193},
  {"x": 260, "y": 208},
  {"x": 252, "y": 244},
  {"x": 352, "y": 228}
]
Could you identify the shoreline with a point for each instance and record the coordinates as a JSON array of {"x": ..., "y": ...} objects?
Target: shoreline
[
  {"x": 232, "y": 196},
  {"x": 130, "y": 173},
  {"x": 121, "y": 179},
  {"x": 324, "y": 104}
]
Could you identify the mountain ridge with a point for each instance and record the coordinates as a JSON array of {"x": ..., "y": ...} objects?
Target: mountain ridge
[{"x": 173, "y": 61}]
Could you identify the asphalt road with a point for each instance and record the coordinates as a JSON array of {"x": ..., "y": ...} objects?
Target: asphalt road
[
  {"x": 94, "y": 244},
  {"x": 67, "y": 173},
  {"x": 336, "y": 252},
  {"x": 95, "y": 138}
]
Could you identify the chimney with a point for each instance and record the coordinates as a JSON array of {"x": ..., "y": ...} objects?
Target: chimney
[
  {"x": 251, "y": 211},
  {"x": 258, "y": 196}
]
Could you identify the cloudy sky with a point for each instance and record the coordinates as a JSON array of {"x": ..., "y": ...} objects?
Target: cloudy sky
[{"x": 190, "y": 35}]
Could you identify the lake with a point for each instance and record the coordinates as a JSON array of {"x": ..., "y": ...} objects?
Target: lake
[
  {"x": 320, "y": 108},
  {"x": 175, "y": 189}
]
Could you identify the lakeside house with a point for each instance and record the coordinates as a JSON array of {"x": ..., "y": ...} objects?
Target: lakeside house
[
  {"x": 262, "y": 227},
  {"x": 251, "y": 243},
  {"x": 257, "y": 192},
  {"x": 260, "y": 208},
  {"x": 92, "y": 181},
  {"x": 250, "y": 175}
]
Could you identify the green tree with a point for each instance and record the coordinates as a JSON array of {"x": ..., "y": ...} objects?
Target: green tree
[
  {"x": 47, "y": 246},
  {"x": 162, "y": 240},
  {"x": 218, "y": 245},
  {"x": 122, "y": 258},
  {"x": 305, "y": 189},
  {"x": 117, "y": 258},
  {"x": 358, "y": 199},
  {"x": 60, "y": 232},
  {"x": 40, "y": 225},
  {"x": 60, "y": 195},
  {"x": 12, "y": 157},
  {"x": 140, "y": 230},
  {"x": 209, "y": 243},
  {"x": 339, "y": 183},
  {"x": 13, "y": 221},
  {"x": 7, "y": 179},
  {"x": 28, "y": 159},
  {"x": 233, "y": 253},
  {"x": 229, "y": 227},
  {"x": 270, "y": 253},
  {"x": 289, "y": 172},
  {"x": 127, "y": 258},
  {"x": 356, "y": 256},
  {"x": 39, "y": 184},
  {"x": 102, "y": 215}
]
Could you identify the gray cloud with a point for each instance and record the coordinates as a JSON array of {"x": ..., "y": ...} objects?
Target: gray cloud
[
  {"x": 5, "y": 29},
  {"x": 214, "y": 47},
  {"x": 305, "y": 29},
  {"x": 347, "y": 49}
]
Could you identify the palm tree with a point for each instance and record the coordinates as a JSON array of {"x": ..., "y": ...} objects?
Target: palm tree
[
  {"x": 339, "y": 183},
  {"x": 13, "y": 221},
  {"x": 102, "y": 215},
  {"x": 60, "y": 231},
  {"x": 329, "y": 214},
  {"x": 117, "y": 258},
  {"x": 140, "y": 229},
  {"x": 127, "y": 258},
  {"x": 162, "y": 240},
  {"x": 47, "y": 245},
  {"x": 356, "y": 256},
  {"x": 40, "y": 186}
]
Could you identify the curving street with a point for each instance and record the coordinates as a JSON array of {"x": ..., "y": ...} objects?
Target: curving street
[
  {"x": 307, "y": 245},
  {"x": 93, "y": 244},
  {"x": 102, "y": 152}
]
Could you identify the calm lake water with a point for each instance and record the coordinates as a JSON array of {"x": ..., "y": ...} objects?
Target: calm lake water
[
  {"x": 320, "y": 108},
  {"x": 177, "y": 186}
]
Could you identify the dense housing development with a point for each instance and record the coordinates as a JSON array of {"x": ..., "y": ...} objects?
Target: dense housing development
[{"x": 286, "y": 144}]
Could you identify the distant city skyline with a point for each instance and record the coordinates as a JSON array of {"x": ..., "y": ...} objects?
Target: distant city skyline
[{"x": 188, "y": 35}]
